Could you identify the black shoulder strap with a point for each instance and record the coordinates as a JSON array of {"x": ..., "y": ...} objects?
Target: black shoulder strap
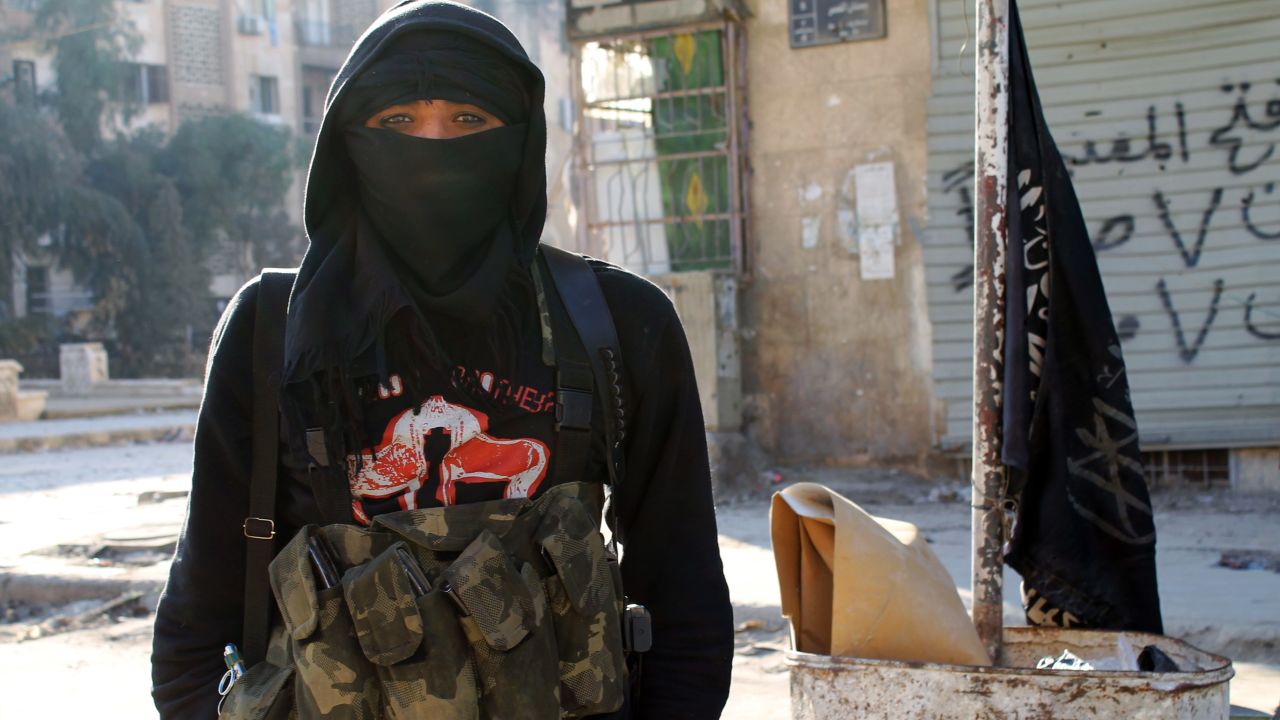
[
  {"x": 584, "y": 302},
  {"x": 259, "y": 525}
]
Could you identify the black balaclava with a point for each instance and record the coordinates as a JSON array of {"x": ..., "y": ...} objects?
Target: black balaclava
[
  {"x": 361, "y": 274},
  {"x": 438, "y": 204}
]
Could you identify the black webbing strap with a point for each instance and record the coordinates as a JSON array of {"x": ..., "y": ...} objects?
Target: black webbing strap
[
  {"x": 259, "y": 526},
  {"x": 575, "y": 383},
  {"x": 584, "y": 302}
]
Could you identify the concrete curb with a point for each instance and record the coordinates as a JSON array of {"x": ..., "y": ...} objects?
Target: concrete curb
[
  {"x": 36, "y": 443},
  {"x": 109, "y": 410},
  {"x": 52, "y": 590}
]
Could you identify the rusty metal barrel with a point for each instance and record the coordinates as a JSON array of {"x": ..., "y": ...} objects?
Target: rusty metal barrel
[{"x": 825, "y": 687}]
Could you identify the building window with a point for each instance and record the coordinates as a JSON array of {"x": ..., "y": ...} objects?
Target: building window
[
  {"x": 312, "y": 22},
  {"x": 315, "y": 84},
  {"x": 24, "y": 82},
  {"x": 264, "y": 94},
  {"x": 310, "y": 121},
  {"x": 660, "y": 181},
  {"x": 147, "y": 84},
  {"x": 37, "y": 290}
]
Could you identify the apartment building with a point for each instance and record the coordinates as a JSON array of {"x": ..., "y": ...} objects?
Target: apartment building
[{"x": 273, "y": 59}]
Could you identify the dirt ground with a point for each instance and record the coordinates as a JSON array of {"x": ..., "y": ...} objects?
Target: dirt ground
[{"x": 59, "y": 510}]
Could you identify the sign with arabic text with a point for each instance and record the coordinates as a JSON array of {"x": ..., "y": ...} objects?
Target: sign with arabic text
[{"x": 822, "y": 22}]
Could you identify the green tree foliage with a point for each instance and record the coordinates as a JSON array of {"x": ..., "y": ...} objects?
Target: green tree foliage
[
  {"x": 103, "y": 246},
  {"x": 136, "y": 219},
  {"x": 233, "y": 173},
  {"x": 157, "y": 285},
  {"x": 138, "y": 222},
  {"x": 37, "y": 165},
  {"x": 277, "y": 242},
  {"x": 91, "y": 46}
]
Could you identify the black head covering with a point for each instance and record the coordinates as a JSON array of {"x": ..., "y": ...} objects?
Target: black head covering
[
  {"x": 348, "y": 289},
  {"x": 438, "y": 64}
]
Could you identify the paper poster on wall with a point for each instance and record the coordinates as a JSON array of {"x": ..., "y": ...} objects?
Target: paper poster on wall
[
  {"x": 877, "y": 211},
  {"x": 875, "y": 246}
]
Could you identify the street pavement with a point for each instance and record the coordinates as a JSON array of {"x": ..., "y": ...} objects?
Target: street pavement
[
  {"x": 72, "y": 432},
  {"x": 81, "y": 526}
]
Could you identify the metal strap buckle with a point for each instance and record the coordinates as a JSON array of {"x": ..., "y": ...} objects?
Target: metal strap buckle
[
  {"x": 262, "y": 528},
  {"x": 573, "y": 409}
]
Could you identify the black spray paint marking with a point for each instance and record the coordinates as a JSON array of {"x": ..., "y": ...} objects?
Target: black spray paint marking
[
  {"x": 1127, "y": 327},
  {"x": 1188, "y": 353},
  {"x": 954, "y": 179},
  {"x": 1122, "y": 148},
  {"x": 1246, "y": 209},
  {"x": 1182, "y": 131},
  {"x": 1190, "y": 258},
  {"x": 1229, "y": 137},
  {"x": 1121, "y": 226},
  {"x": 1254, "y": 330}
]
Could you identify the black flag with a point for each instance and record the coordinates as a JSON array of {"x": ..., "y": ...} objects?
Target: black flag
[{"x": 1084, "y": 537}]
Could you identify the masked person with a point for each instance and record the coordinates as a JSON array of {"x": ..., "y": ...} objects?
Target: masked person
[{"x": 415, "y": 369}]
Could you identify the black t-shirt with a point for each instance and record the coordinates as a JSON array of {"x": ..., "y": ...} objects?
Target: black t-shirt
[{"x": 444, "y": 448}]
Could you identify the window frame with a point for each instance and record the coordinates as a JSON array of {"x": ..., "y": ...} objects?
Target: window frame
[
  {"x": 590, "y": 238},
  {"x": 264, "y": 95}
]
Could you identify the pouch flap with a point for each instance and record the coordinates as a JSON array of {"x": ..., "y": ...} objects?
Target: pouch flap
[
  {"x": 492, "y": 592},
  {"x": 589, "y": 495},
  {"x": 260, "y": 694},
  {"x": 569, "y": 538},
  {"x": 294, "y": 586},
  {"x": 383, "y": 608},
  {"x": 452, "y": 528},
  {"x": 355, "y": 545}
]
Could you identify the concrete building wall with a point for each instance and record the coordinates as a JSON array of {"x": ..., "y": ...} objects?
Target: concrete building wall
[
  {"x": 707, "y": 304},
  {"x": 836, "y": 368},
  {"x": 149, "y": 21},
  {"x": 1255, "y": 470}
]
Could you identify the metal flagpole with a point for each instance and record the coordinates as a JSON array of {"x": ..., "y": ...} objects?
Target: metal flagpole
[{"x": 989, "y": 243}]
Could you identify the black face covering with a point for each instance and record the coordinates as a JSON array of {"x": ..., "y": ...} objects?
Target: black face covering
[{"x": 437, "y": 204}]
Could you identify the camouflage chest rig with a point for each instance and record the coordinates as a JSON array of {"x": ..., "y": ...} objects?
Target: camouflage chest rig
[{"x": 501, "y": 609}]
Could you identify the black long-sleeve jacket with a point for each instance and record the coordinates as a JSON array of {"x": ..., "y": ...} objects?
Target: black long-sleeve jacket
[{"x": 671, "y": 561}]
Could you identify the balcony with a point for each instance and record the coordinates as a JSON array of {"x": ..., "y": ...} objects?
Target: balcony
[
  {"x": 323, "y": 43},
  {"x": 313, "y": 33},
  {"x": 322, "y": 33}
]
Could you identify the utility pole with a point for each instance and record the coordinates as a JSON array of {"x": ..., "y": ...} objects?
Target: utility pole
[{"x": 990, "y": 240}]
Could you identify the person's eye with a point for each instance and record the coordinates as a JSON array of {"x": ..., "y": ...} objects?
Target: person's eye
[
  {"x": 469, "y": 118},
  {"x": 394, "y": 119}
]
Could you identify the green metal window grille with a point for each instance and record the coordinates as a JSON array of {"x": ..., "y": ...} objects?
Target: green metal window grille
[{"x": 659, "y": 151}]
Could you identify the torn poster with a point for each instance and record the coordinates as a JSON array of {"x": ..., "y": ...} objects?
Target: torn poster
[{"x": 877, "y": 204}]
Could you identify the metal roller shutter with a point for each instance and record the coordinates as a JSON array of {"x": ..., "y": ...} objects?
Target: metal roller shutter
[{"x": 1169, "y": 114}]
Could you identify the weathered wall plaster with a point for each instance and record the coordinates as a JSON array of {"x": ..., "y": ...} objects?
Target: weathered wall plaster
[{"x": 836, "y": 369}]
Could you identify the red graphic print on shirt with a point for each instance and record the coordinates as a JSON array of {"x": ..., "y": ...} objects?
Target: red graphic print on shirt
[{"x": 398, "y": 466}]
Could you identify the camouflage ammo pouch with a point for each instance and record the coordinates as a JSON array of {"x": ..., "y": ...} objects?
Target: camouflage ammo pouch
[{"x": 520, "y": 618}]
